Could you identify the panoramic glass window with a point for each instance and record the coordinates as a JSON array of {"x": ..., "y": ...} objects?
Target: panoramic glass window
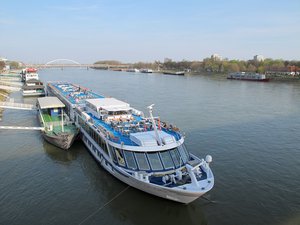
[
  {"x": 154, "y": 161},
  {"x": 175, "y": 156},
  {"x": 142, "y": 161},
  {"x": 167, "y": 160},
  {"x": 183, "y": 154},
  {"x": 120, "y": 157},
  {"x": 130, "y": 160}
]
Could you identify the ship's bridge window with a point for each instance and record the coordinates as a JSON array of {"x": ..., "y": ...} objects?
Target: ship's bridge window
[
  {"x": 155, "y": 161},
  {"x": 117, "y": 113},
  {"x": 131, "y": 164},
  {"x": 167, "y": 160},
  {"x": 120, "y": 157},
  {"x": 176, "y": 157},
  {"x": 113, "y": 153},
  {"x": 142, "y": 161},
  {"x": 183, "y": 153}
]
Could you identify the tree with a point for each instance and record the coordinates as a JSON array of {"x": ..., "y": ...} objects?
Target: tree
[
  {"x": 261, "y": 69},
  {"x": 2, "y": 65},
  {"x": 196, "y": 66},
  {"x": 251, "y": 68},
  {"x": 233, "y": 67},
  {"x": 242, "y": 65},
  {"x": 14, "y": 65},
  {"x": 109, "y": 62}
]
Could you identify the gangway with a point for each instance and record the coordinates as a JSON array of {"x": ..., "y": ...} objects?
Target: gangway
[
  {"x": 20, "y": 128},
  {"x": 13, "y": 105}
]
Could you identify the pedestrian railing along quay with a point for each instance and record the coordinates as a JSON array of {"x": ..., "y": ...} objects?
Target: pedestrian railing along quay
[
  {"x": 13, "y": 105},
  {"x": 10, "y": 79},
  {"x": 20, "y": 128},
  {"x": 10, "y": 88},
  {"x": 11, "y": 83}
]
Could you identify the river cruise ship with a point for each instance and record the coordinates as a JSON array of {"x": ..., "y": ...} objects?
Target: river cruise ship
[
  {"x": 144, "y": 152},
  {"x": 247, "y": 76}
]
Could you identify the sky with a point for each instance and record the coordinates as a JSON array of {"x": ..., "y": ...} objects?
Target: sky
[{"x": 147, "y": 30}]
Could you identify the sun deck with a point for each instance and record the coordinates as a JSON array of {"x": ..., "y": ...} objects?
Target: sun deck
[
  {"x": 119, "y": 127},
  {"x": 120, "y": 131},
  {"x": 74, "y": 93}
]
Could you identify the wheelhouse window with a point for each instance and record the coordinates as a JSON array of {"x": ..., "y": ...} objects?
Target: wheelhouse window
[
  {"x": 120, "y": 157},
  {"x": 113, "y": 153},
  {"x": 183, "y": 153},
  {"x": 130, "y": 160},
  {"x": 142, "y": 161},
  {"x": 176, "y": 157},
  {"x": 154, "y": 161},
  {"x": 167, "y": 160}
]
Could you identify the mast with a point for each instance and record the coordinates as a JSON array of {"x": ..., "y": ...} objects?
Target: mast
[
  {"x": 150, "y": 107},
  {"x": 62, "y": 120}
]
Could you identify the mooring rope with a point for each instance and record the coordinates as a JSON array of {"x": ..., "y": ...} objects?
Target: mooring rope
[
  {"x": 102, "y": 207},
  {"x": 207, "y": 199}
]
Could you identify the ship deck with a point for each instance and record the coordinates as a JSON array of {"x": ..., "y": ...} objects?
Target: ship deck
[
  {"x": 74, "y": 93},
  {"x": 121, "y": 132}
]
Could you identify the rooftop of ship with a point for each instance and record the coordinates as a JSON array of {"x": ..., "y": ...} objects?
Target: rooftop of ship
[
  {"x": 137, "y": 131},
  {"x": 73, "y": 93},
  {"x": 126, "y": 125}
]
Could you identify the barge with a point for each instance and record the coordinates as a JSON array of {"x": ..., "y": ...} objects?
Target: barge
[{"x": 58, "y": 130}]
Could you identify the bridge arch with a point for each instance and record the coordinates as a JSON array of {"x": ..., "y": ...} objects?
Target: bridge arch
[{"x": 59, "y": 60}]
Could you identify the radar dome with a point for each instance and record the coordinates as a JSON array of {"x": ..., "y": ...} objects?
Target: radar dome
[{"x": 208, "y": 159}]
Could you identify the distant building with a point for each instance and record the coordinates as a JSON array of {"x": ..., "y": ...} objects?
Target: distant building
[
  {"x": 166, "y": 60},
  {"x": 258, "y": 58},
  {"x": 4, "y": 65},
  {"x": 216, "y": 57},
  {"x": 3, "y": 59}
]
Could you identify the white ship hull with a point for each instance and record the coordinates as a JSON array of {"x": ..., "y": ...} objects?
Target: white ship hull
[
  {"x": 175, "y": 194},
  {"x": 32, "y": 93}
]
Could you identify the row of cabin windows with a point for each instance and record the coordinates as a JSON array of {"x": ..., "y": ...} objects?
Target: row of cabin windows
[
  {"x": 96, "y": 137},
  {"x": 155, "y": 161},
  {"x": 92, "y": 146}
]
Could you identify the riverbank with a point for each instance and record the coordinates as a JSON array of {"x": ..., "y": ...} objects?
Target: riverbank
[
  {"x": 275, "y": 77},
  {"x": 3, "y": 97}
]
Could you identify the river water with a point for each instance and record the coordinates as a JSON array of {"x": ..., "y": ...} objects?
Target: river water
[{"x": 251, "y": 129}]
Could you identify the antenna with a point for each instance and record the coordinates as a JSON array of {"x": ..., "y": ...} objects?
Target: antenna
[{"x": 150, "y": 107}]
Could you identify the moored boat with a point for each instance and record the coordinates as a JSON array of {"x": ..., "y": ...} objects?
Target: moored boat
[
  {"x": 146, "y": 71},
  {"x": 28, "y": 74},
  {"x": 33, "y": 87},
  {"x": 133, "y": 70},
  {"x": 141, "y": 151},
  {"x": 247, "y": 76},
  {"x": 57, "y": 129},
  {"x": 179, "y": 73}
]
